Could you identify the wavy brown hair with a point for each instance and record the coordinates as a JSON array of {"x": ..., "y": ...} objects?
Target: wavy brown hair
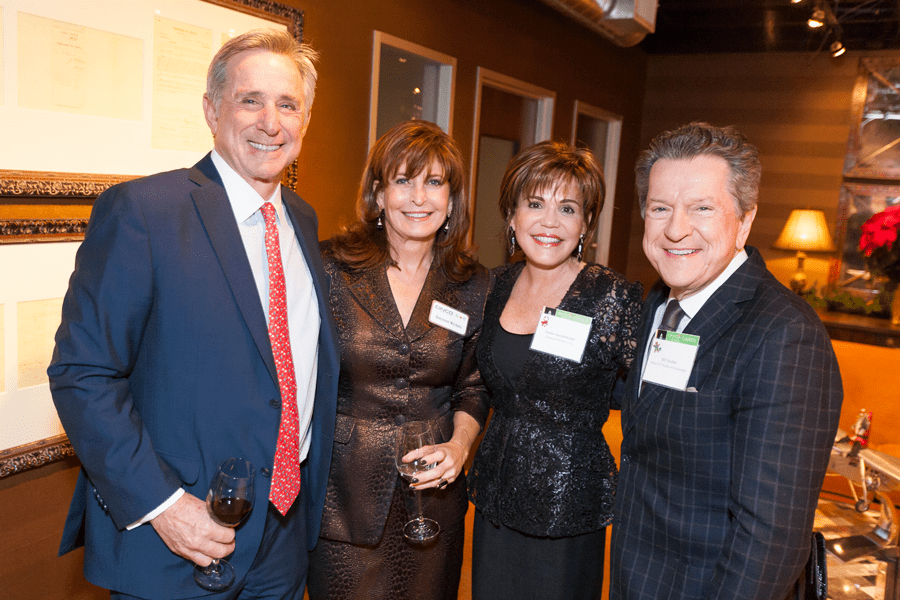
[{"x": 416, "y": 144}]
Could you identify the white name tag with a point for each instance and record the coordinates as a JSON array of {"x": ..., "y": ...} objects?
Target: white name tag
[
  {"x": 670, "y": 359},
  {"x": 562, "y": 334},
  {"x": 448, "y": 318}
]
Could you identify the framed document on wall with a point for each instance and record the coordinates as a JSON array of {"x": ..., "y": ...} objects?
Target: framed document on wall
[{"x": 91, "y": 93}]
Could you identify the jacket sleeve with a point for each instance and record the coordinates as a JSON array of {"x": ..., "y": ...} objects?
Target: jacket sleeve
[
  {"x": 785, "y": 409},
  {"x": 630, "y": 325},
  {"x": 104, "y": 314},
  {"x": 470, "y": 393}
]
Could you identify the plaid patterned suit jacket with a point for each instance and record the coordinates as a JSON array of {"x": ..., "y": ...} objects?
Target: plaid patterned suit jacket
[{"x": 718, "y": 484}]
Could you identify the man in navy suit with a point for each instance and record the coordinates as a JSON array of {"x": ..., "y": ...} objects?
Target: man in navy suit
[
  {"x": 726, "y": 441},
  {"x": 164, "y": 364}
]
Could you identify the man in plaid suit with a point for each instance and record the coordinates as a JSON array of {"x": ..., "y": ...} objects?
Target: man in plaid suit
[{"x": 720, "y": 473}]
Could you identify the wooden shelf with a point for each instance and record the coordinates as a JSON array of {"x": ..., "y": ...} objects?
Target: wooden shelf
[{"x": 862, "y": 330}]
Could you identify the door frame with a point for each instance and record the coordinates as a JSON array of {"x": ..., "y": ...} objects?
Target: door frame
[
  {"x": 543, "y": 126},
  {"x": 610, "y": 170}
]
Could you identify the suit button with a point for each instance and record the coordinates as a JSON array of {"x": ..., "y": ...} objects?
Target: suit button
[
  {"x": 626, "y": 458},
  {"x": 399, "y": 419},
  {"x": 274, "y": 403},
  {"x": 403, "y": 349},
  {"x": 400, "y": 383},
  {"x": 266, "y": 472}
]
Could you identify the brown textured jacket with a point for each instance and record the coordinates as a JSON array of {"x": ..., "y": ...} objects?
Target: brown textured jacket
[{"x": 389, "y": 375}]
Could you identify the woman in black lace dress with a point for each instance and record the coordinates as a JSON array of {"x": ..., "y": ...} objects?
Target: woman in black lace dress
[{"x": 543, "y": 479}]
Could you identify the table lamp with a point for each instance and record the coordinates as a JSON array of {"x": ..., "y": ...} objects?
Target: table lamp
[{"x": 805, "y": 231}]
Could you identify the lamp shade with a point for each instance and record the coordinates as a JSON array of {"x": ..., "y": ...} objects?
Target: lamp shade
[{"x": 807, "y": 231}]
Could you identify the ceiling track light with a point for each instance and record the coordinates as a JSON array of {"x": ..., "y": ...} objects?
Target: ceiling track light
[
  {"x": 817, "y": 19},
  {"x": 837, "y": 48}
]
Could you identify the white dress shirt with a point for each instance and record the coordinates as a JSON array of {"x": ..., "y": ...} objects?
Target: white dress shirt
[
  {"x": 692, "y": 304},
  {"x": 302, "y": 306}
]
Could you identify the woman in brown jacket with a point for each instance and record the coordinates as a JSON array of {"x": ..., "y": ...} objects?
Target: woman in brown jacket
[{"x": 407, "y": 251}]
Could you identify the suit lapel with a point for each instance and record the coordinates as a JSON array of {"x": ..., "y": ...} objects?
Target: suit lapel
[
  {"x": 639, "y": 402},
  {"x": 723, "y": 308},
  {"x": 710, "y": 323},
  {"x": 435, "y": 288},
  {"x": 218, "y": 220},
  {"x": 373, "y": 292}
]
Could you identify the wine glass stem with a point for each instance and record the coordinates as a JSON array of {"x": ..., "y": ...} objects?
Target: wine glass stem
[
  {"x": 212, "y": 567},
  {"x": 420, "y": 517}
]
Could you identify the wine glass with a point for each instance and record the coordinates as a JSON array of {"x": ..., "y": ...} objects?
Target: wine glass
[
  {"x": 414, "y": 435},
  {"x": 229, "y": 501}
]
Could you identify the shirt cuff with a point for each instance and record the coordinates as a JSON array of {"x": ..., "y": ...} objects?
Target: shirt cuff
[{"x": 159, "y": 509}]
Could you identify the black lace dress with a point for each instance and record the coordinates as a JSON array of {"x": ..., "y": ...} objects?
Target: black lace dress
[{"x": 543, "y": 479}]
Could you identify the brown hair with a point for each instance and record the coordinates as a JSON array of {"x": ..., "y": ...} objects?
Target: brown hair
[
  {"x": 703, "y": 139},
  {"x": 547, "y": 166},
  {"x": 269, "y": 40},
  {"x": 417, "y": 144}
]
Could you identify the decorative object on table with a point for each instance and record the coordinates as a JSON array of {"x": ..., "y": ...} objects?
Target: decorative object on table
[
  {"x": 853, "y": 287},
  {"x": 805, "y": 231},
  {"x": 873, "y": 151},
  {"x": 880, "y": 245}
]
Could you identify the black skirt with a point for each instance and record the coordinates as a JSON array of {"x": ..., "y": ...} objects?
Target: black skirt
[{"x": 510, "y": 565}]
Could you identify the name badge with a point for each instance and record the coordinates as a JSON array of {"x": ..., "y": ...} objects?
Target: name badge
[
  {"x": 670, "y": 359},
  {"x": 448, "y": 318},
  {"x": 562, "y": 334}
]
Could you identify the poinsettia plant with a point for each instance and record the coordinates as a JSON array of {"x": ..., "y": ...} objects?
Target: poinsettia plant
[{"x": 880, "y": 243}]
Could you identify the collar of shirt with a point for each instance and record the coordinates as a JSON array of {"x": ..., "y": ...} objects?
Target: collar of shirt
[
  {"x": 245, "y": 201},
  {"x": 692, "y": 304}
]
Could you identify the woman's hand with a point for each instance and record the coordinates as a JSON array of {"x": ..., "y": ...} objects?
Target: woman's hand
[{"x": 450, "y": 457}]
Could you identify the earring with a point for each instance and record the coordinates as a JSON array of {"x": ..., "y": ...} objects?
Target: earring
[
  {"x": 379, "y": 224},
  {"x": 447, "y": 223},
  {"x": 580, "y": 247},
  {"x": 512, "y": 241}
]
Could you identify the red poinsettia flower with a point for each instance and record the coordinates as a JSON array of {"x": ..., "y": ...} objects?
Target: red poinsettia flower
[{"x": 879, "y": 243}]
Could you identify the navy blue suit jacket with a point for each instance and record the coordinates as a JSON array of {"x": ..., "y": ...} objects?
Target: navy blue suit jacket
[
  {"x": 718, "y": 484},
  {"x": 163, "y": 368}
]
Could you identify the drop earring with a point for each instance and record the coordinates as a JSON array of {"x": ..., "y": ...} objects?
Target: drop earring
[
  {"x": 580, "y": 247},
  {"x": 512, "y": 241},
  {"x": 447, "y": 223},
  {"x": 379, "y": 224}
]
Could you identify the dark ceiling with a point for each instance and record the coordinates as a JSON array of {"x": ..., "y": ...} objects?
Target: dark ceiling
[{"x": 703, "y": 26}]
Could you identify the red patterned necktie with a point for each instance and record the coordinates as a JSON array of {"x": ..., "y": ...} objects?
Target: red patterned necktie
[{"x": 286, "y": 479}]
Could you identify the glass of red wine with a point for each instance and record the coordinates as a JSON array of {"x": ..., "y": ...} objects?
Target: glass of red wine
[
  {"x": 412, "y": 436},
  {"x": 229, "y": 501}
]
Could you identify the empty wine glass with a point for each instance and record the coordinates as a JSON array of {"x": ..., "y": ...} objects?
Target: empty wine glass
[
  {"x": 414, "y": 435},
  {"x": 229, "y": 501}
]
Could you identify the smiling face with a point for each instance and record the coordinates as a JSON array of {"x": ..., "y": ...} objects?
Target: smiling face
[
  {"x": 691, "y": 225},
  {"x": 260, "y": 122},
  {"x": 415, "y": 207},
  {"x": 548, "y": 224}
]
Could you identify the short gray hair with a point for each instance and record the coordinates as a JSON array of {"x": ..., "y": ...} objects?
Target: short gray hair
[
  {"x": 703, "y": 139},
  {"x": 270, "y": 40}
]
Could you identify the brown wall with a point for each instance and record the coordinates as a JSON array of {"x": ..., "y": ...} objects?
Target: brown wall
[
  {"x": 794, "y": 107},
  {"x": 524, "y": 39},
  {"x": 33, "y": 506}
]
